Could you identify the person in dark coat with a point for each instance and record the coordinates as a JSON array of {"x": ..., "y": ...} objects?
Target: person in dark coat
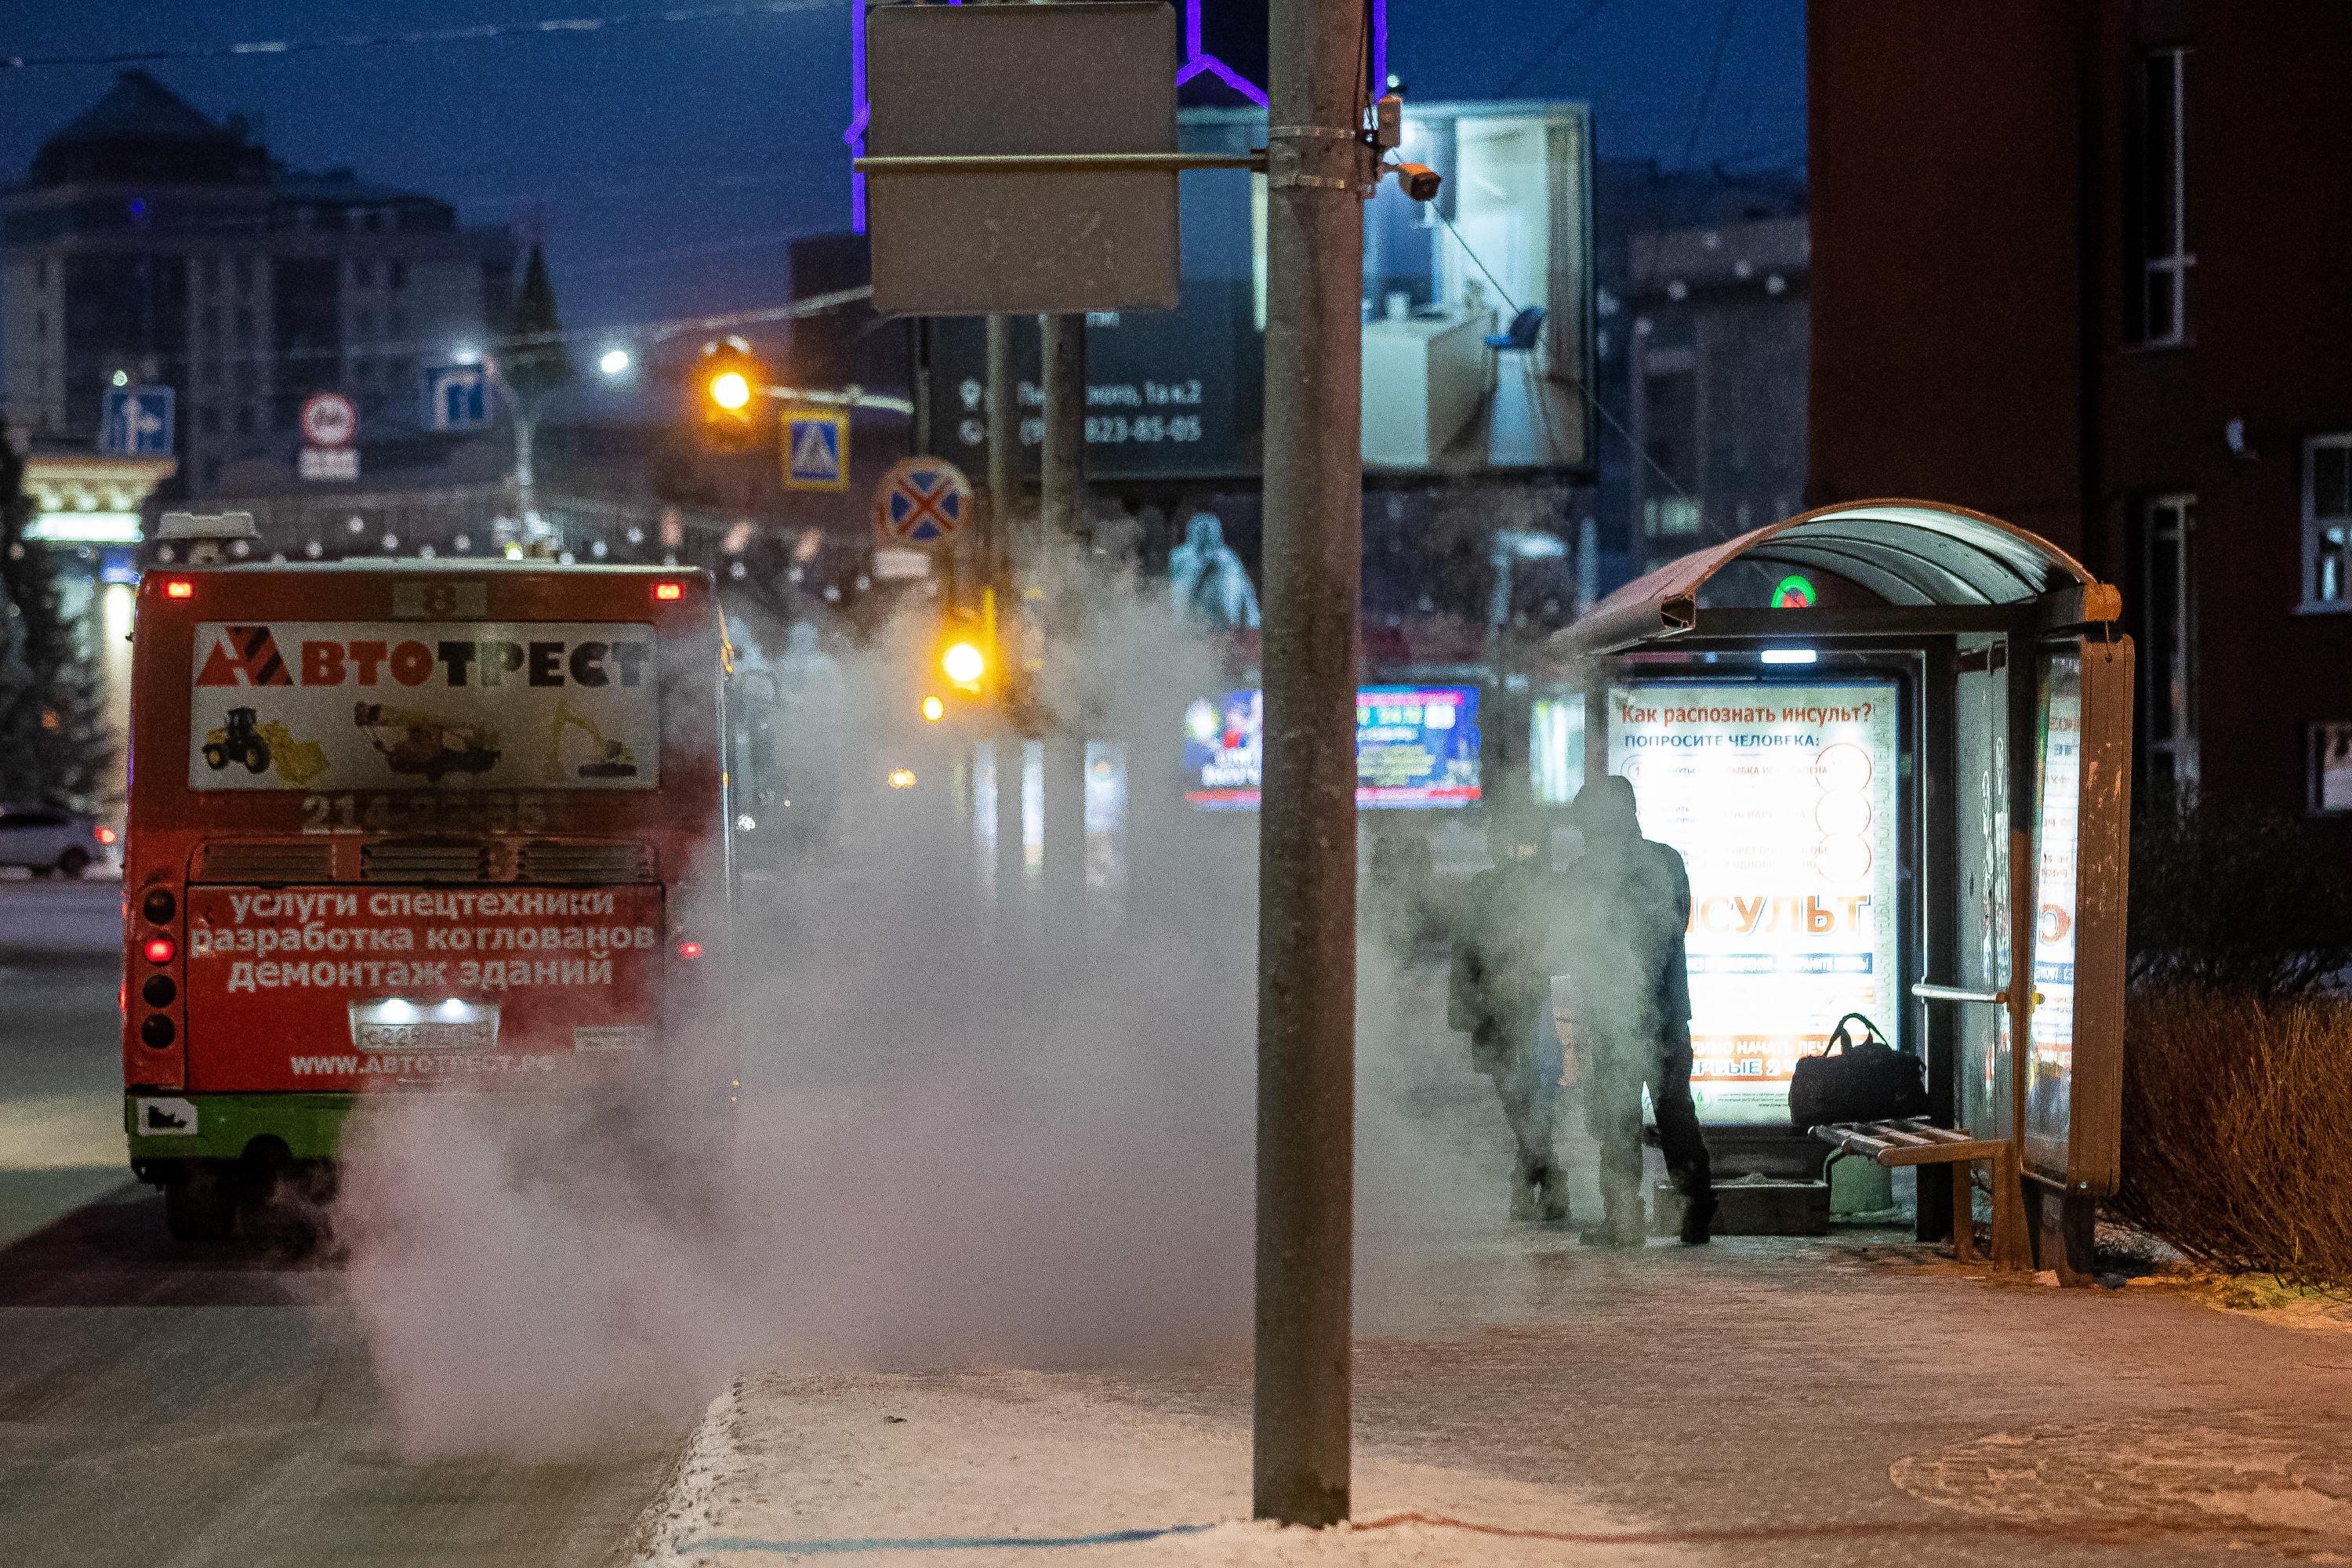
[
  {"x": 1498, "y": 993},
  {"x": 1631, "y": 976}
]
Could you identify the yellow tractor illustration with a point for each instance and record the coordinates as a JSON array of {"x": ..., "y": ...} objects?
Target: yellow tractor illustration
[
  {"x": 612, "y": 759},
  {"x": 413, "y": 742},
  {"x": 257, "y": 746}
]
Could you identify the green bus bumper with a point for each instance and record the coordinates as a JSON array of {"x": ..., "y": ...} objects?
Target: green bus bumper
[{"x": 165, "y": 1126}]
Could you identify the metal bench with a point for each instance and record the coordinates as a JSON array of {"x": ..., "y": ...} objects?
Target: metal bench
[{"x": 1914, "y": 1142}]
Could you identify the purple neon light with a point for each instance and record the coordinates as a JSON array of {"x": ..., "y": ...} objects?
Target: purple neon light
[{"x": 1198, "y": 61}]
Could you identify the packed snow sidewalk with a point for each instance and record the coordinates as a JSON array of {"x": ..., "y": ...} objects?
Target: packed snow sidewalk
[{"x": 1763, "y": 1401}]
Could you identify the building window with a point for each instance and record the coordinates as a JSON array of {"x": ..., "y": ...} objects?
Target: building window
[
  {"x": 2327, "y": 522},
  {"x": 209, "y": 419},
  {"x": 363, "y": 275},
  {"x": 2168, "y": 610},
  {"x": 2331, "y": 769},
  {"x": 245, "y": 324},
  {"x": 396, "y": 274},
  {"x": 2164, "y": 197},
  {"x": 246, "y": 420},
  {"x": 41, "y": 273},
  {"x": 245, "y": 274}
]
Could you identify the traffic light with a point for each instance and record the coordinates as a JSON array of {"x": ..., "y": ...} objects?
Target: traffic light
[
  {"x": 729, "y": 389},
  {"x": 963, "y": 674}
]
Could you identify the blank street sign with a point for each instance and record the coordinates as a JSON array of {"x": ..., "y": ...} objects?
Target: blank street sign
[{"x": 1094, "y": 77}]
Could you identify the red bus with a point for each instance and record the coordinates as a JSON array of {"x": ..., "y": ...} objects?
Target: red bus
[{"x": 400, "y": 827}]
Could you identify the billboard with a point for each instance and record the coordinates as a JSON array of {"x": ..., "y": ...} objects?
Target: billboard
[
  {"x": 1782, "y": 799},
  {"x": 1416, "y": 748},
  {"x": 1476, "y": 315},
  {"x": 416, "y": 704}
]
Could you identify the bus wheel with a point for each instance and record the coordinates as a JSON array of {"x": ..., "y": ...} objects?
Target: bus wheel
[{"x": 200, "y": 1203}]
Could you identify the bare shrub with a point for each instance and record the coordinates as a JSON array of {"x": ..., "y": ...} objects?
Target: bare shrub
[
  {"x": 2235, "y": 897},
  {"x": 2235, "y": 1118}
]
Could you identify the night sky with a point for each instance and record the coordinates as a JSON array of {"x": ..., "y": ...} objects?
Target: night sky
[{"x": 667, "y": 165}]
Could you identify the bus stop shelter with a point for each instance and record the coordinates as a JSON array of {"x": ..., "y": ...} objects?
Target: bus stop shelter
[{"x": 1893, "y": 741}]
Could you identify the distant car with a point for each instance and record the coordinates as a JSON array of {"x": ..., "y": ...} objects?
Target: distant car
[{"x": 44, "y": 838}]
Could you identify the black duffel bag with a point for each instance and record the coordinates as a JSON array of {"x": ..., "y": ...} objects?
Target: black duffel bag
[{"x": 1867, "y": 1080}]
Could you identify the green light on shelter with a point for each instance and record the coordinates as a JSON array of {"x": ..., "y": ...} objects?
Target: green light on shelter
[{"x": 1795, "y": 592}]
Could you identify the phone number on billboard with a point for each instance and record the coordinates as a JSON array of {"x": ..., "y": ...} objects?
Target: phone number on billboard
[{"x": 1117, "y": 429}]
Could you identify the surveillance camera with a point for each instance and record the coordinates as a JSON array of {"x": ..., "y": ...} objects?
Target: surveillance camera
[{"x": 1418, "y": 181}]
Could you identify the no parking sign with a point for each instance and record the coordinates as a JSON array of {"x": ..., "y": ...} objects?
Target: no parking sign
[{"x": 921, "y": 501}]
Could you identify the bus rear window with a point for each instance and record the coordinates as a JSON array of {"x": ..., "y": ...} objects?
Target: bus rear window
[{"x": 314, "y": 705}]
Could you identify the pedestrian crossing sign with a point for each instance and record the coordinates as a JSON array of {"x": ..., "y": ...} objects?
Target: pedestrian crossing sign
[{"x": 817, "y": 449}]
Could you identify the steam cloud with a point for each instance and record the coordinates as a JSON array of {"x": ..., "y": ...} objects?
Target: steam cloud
[{"x": 966, "y": 1137}]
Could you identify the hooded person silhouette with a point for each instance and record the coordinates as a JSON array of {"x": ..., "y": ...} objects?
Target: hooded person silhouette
[
  {"x": 1498, "y": 992},
  {"x": 1631, "y": 976},
  {"x": 1206, "y": 581}
]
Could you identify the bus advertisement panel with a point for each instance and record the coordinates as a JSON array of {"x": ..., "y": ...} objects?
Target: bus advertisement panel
[
  {"x": 1416, "y": 748},
  {"x": 309, "y": 705},
  {"x": 1782, "y": 799}
]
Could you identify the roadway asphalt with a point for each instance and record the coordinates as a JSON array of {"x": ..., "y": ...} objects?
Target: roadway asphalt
[{"x": 164, "y": 1406}]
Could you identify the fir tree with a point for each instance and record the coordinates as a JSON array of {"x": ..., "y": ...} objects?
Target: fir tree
[
  {"x": 53, "y": 741},
  {"x": 531, "y": 353}
]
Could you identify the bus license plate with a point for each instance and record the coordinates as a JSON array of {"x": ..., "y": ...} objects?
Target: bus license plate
[{"x": 393, "y": 1024}]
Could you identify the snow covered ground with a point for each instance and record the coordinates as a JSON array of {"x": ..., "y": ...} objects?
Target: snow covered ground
[{"x": 1004, "y": 1469}]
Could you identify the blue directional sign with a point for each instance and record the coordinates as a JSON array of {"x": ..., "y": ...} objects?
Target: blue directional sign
[
  {"x": 457, "y": 397},
  {"x": 817, "y": 449},
  {"x": 136, "y": 422}
]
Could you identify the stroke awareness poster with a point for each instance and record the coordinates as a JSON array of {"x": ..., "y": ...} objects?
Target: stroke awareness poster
[{"x": 1781, "y": 798}]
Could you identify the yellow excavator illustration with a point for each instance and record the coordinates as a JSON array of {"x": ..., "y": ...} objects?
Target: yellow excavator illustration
[
  {"x": 612, "y": 759},
  {"x": 412, "y": 742},
  {"x": 258, "y": 745}
]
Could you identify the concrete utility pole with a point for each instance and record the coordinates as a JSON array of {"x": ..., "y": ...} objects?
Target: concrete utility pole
[
  {"x": 1062, "y": 484},
  {"x": 1011, "y": 563},
  {"x": 1317, "y": 169}
]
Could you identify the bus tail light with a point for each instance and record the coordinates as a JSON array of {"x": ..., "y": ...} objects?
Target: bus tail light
[
  {"x": 668, "y": 592},
  {"x": 160, "y": 949},
  {"x": 179, "y": 588}
]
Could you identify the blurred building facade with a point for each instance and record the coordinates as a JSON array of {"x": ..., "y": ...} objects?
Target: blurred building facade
[
  {"x": 148, "y": 240},
  {"x": 2080, "y": 265},
  {"x": 1636, "y": 205}
]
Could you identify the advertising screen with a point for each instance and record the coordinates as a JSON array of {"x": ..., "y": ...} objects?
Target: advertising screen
[
  {"x": 1477, "y": 311},
  {"x": 1782, "y": 799},
  {"x": 2057, "y": 844},
  {"x": 1416, "y": 747}
]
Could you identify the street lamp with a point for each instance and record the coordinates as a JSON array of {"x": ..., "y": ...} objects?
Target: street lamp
[{"x": 526, "y": 417}]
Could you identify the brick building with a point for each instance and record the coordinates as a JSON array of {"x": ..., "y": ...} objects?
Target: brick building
[{"x": 2080, "y": 264}]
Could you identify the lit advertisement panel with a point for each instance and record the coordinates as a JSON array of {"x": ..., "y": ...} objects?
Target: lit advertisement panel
[
  {"x": 2049, "y": 1108},
  {"x": 1416, "y": 748},
  {"x": 1782, "y": 799},
  {"x": 1476, "y": 312}
]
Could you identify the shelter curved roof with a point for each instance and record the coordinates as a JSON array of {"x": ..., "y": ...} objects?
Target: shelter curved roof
[{"x": 1911, "y": 553}]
